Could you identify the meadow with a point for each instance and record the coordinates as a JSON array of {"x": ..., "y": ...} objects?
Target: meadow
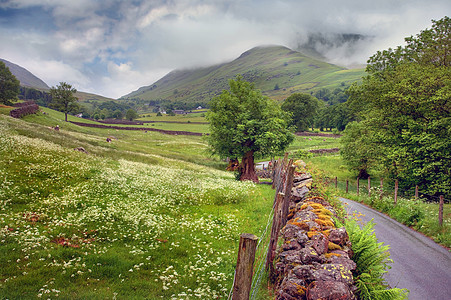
[{"x": 145, "y": 216}]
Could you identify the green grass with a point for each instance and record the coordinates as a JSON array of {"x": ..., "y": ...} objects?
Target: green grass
[
  {"x": 4, "y": 110},
  {"x": 145, "y": 216}
]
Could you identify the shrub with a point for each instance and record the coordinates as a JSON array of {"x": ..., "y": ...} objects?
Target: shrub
[{"x": 372, "y": 259}]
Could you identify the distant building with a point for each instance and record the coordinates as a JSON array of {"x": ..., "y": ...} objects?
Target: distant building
[
  {"x": 79, "y": 115},
  {"x": 179, "y": 112},
  {"x": 199, "y": 107}
]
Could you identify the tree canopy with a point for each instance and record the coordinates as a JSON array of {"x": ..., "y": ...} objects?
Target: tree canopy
[
  {"x": 63, "y": 98},
  {"x": 131, "y": 114},
  {"x": 244, "y": 124},
  {"x": 303, "y": 108},
  {"x": 404, "y": 103},
  {"x": 9, "y": 85}
]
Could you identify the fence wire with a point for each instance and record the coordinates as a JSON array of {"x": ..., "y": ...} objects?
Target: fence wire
[
  {"x": 260, "y": 259},
  {"x": 387, "y": 190}
]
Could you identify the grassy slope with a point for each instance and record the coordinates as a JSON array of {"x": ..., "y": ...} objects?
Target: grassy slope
[
  {"x": 265, "y": 66},
  {"x": 146, "y": 216}
]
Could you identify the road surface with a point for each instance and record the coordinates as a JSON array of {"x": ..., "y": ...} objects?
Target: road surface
[{"x": 419, "y": 264}]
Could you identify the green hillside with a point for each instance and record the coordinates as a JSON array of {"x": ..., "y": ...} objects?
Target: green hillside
[
  {"x": 276, "y": 70},
  {"x": 25, "y": 77}
]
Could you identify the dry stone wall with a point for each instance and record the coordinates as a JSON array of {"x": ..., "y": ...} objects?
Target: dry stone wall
[{"x": 314, "y": 261}]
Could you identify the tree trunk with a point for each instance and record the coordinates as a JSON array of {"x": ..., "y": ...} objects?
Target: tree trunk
[
  {"x": 233, "y": 164},
  {"x": 65, "y": 114},
  {"x": 247, "y": 167}
]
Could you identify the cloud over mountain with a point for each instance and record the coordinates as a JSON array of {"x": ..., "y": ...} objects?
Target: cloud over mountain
[{"x": 111, "y": 47}]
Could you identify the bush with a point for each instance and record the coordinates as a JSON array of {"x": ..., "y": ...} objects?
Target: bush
[{"x": 372, "y": 259}]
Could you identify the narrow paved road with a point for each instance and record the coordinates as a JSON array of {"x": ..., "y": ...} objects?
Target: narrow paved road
[{"x": 420, "y": 265}]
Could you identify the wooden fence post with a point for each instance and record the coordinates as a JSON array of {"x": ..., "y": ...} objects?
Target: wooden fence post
[
  {"x": 286, "y": 199},
  {"x": 416, "y": 192},
  {"x": 369, "y": 186},
  {"x": 382, "y": 188},
  {"x": 396, "y": 191},
  {"x": 274, "y": 173},
  {"x": 244, "y": 267},
  {"x": 347, "y": 186},
  {"x": 274, "y": 233},
  {"x": 440, "y": 210},
  {"x": 358, "y": 183},
  {"x": 336, "y": 182}
]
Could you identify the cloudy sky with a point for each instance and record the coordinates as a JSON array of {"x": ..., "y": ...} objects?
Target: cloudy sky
[{"x": 113, "y": 47}]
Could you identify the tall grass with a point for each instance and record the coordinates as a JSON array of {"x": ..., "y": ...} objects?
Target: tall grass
[{"x": 135, "y": 218}]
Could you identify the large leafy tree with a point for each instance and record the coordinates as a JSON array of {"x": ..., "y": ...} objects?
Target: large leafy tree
[
  {"x": 303, "y": 108},
  {"x": 9, "y": 85},
  {"x": 405, "y": 104},
  {"x": 131, "y": 114},
  {"x": 63, "y": 98},
  {"x": 245, "y": 124}
]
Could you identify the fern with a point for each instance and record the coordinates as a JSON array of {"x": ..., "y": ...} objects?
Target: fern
[{"x": 372, "y": 259}]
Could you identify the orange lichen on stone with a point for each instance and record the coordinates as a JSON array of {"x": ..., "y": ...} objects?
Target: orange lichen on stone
[
  {"x": 329, "y": 255},
  {"x": 315, "y": 205},
  {"x": 326, "y": 232},
  {"x": 324, "y": 217},
  {"x": 300, "y": 224},
  {"x": 323, "y": 211},
  {"x": 314, "y": 198},
  {"x": 310, "y": 234},
  {"x": 325, "y": 223},
  {"x": 301, "y": 289},
  {"x": 333, "y": 246}
]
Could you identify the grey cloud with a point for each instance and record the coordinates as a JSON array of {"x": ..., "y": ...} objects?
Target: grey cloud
[{"x": 116, "y": 43}]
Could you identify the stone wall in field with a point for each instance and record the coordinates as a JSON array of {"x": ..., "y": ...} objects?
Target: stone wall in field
[
  {"x": 314, "y": 259},
  {"x": 172, "y": 132},
  {"x": 24, "y": 109}
]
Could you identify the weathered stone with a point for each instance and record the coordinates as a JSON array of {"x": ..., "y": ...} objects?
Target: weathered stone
[
  {"x": 304, "y": 183},
  {"x": 290, "y": 231},
  {"x": 305, "y": 215},
  {"x": 302, "y": 177},
  {"x": 340, "y": 252},
  {"x": 309, "y": 255},
  {"x": 298, "y": 193},
  {"x": 301, "y": 238},
  {"x": 342, "y": 260},
  {"x": 333, "y": 272},
  {"x": 291, "y": 244},
  {"x": 339, "y": 236},
  {"x": 320, "y": 243},
  {"x": 293, "y": 287},
  {"x": 307, "y": 262},
  {"x": 304, "y": 272},
  {"x": 329, "y": 290},
  {"x": 291, "y": 257}
]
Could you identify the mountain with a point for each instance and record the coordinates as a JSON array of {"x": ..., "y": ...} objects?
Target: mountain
[
  {"x": 25, "y": 77},
  {"x": 276, "y": 70}
]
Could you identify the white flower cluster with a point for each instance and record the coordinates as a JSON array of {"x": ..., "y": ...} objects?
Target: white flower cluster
[{"x": 68, "y": 212}]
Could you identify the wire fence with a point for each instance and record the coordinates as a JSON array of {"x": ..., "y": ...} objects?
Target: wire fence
[
  {"x": 260, "y": 258},
  {"x": 282, "y": 174},
  {"x": 383, "y": 188}
]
